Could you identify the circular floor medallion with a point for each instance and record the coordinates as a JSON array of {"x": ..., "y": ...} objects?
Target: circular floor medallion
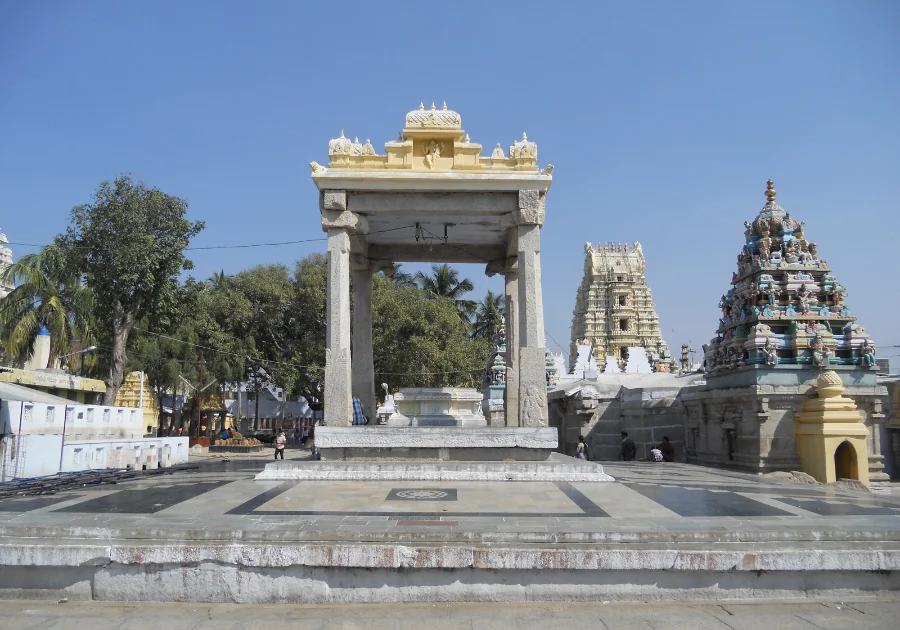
[{"x": 422, "y": 494}]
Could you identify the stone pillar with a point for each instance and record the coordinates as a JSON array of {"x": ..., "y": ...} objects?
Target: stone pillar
[
  {"x": 511, "y": 393},
  {"x": 339, "y": 224},
  {"x": 363, "y": 369},
  {"x": 532, "y": 367}
]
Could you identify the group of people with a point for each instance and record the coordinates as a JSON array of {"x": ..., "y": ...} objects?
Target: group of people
[{"x": 665, "y": 452}]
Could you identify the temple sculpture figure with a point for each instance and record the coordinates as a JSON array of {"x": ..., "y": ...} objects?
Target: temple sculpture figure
[
  {"x": 785, "y": 306},
  {"x": 5, "y": 262},
  {"x": 614, "y": 307}
]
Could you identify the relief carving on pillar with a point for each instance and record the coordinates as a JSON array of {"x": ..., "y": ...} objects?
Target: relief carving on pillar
[{"x": 534, "y": 407}]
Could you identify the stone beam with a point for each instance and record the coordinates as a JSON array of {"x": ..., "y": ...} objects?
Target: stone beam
[
  {"x": 438, "y": 253},
  {"x": 417, "y": 204}
]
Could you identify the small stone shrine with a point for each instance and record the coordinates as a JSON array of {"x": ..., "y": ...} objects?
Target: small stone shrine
[
  {"x": 614, "y": 307},
  {"x": 784, "y": 320}
]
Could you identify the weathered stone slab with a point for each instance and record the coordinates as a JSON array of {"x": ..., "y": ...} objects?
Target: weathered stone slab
[
  {"x": 435, "y": 437},
  {"x": 576, "y": 470}
]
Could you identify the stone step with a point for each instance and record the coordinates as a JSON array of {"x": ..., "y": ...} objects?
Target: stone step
[{"x": 556, "y": 469}]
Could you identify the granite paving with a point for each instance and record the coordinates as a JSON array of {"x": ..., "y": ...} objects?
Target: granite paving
[{"x": 663, "y": 500}]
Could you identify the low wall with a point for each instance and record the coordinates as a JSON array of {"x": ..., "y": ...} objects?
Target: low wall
[{"x": 371, "y": 572}]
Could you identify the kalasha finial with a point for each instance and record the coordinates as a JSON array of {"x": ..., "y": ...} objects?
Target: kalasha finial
[
  {"x": 342, "y": 133},
  {"x": 445, "y": 105},
  {"x": 432, "y": 106},
  {"x": 524, "y": 136},
  {"x": 421, "y": 106},
  {"x": 770, "y": 191}
]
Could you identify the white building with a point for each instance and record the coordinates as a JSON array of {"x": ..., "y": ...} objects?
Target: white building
[{"x": 42, "y": 434}]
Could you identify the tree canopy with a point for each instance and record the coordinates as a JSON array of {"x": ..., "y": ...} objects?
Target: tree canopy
[{"x": 129, "y": 242}]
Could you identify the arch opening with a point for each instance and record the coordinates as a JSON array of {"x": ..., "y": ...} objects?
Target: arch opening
[{"x": 845, "y": 464}]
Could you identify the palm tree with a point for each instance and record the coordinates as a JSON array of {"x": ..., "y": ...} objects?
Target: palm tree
[
  {"x": 49, "y": 295},
  {"x": 444, "y": 282},
  {"x": 401, "y": 278},
  {"x": 488, "y": 315},
  {"x": 219, "y": 280}
]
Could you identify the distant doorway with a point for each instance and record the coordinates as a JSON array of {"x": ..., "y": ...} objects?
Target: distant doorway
[{"x": 845, "y": 466}]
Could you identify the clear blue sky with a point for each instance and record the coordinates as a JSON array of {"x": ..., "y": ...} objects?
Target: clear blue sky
[{"x": 663, "y": 120}]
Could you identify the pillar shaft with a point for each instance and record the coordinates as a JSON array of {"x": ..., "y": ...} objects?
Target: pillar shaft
[
  {"x": 532, "y": 366},
  {"x": 511, "y": 393},
  {"x": 338, "y": 410},
  {"x": 363, "y": 365}
]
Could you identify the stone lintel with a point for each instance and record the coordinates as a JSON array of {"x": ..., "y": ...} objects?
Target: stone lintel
[{"x": 437, "y": 252}]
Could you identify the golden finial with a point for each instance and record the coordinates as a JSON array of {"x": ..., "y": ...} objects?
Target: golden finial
[
  {"x": 770, "y": 191},
  {"x": 445, "y": 105}
]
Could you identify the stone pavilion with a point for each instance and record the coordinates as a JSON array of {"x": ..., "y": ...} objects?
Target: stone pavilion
[{"x": 431, "y": 196}]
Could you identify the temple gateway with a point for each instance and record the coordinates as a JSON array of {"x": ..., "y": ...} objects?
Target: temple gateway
[
  {"x": 614, "y": 307},
  {"x": 432, "y": 196}
]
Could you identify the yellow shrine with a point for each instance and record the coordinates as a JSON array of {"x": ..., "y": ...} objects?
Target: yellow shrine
[
  {"x": 831, "y": 437},
  {"x": 136, "y": 392}
]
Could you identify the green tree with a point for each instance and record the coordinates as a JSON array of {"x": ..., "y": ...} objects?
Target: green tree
[
  {"x": 444, "y": 282},
  {"x": 420, "y": 341},
  {"x": 130, "y": 243},
  {"x": 488, "y": 316},
  {"x": 401, "y": 278},
  {"x": 49, "y": 294}
]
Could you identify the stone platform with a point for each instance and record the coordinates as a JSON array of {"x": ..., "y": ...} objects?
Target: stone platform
[
  {"x": 660, "y": 532},
  {"x": 557, "y": 468},
  {"x": 450, "y": 443}
]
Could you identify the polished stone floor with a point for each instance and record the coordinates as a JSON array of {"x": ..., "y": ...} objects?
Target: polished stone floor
[{"x": 647, "y": 497}]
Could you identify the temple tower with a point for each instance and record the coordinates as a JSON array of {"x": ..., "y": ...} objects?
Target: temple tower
[
  {"x": 784, "y": 322},
  {"x": 5, "y": 261},
  {"x": 614, "y": 307}
]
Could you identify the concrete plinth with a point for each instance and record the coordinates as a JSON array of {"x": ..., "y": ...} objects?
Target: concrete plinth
[
  {"x": 558, "y": 468},
  {"x": 438, "y": 443}
]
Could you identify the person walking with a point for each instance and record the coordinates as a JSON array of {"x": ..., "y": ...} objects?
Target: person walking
[
  {"x": 629, "y": 450},
  {"x": 581, "y": 449},
  {"x": 280, "y": 441}
]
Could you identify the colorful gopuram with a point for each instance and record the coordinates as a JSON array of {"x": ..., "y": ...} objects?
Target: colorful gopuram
[
  {"x": 614, "y": 307},
  {"x": 784, "y": 322},
  {"x": 785, "y": 306}
]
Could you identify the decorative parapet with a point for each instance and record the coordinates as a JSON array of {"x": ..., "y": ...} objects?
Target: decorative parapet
[{"x": 431, "y": 140}]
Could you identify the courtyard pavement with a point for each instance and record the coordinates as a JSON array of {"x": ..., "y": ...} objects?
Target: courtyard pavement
[
  {"x": 649, "y": 502},
  {"x": 838, "y": 615}
]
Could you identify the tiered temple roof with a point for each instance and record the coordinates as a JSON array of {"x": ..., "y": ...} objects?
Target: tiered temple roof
[
  {"x": 785, "y": 306},
  {"x": 614, "y": 308}
]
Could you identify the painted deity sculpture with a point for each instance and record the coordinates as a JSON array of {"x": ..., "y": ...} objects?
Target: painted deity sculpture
[
  {"x": 780, "y": 279},
  {"x": 867, "y": 354}
]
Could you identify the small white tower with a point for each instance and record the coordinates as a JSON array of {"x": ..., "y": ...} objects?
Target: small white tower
[{"x": 5, "y": 262}]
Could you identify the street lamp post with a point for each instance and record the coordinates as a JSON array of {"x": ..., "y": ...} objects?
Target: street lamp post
[{"x": 72, "y": 354}]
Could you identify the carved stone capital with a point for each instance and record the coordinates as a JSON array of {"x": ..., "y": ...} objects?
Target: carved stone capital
[
  {"x": 502, "y": 266},
  {"x": 359, "y": 263},
  {"x": 350, "y": 221}
]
